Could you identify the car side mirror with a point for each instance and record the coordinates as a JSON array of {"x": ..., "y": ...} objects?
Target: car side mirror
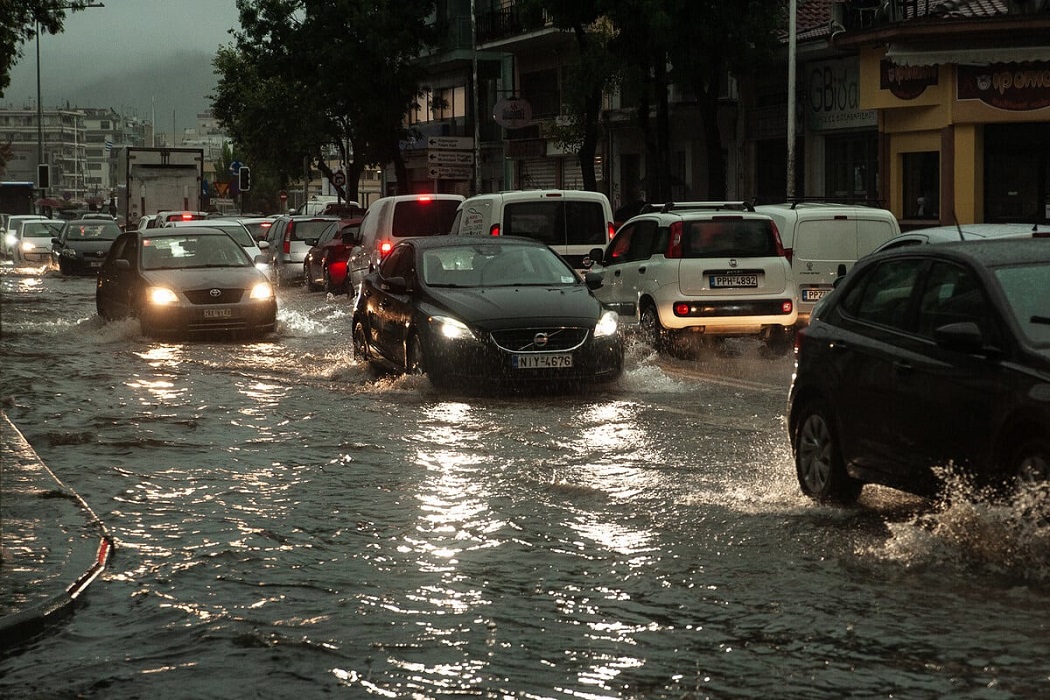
[
  {"x": 263, "y": 245},
  {"x": 261, "y": 260},
  {"x": 122, "y": 264},
  {"x": 394, "y": 285},
  {"x": 597, "y": 255},
  {"x": 841, "y": 271},
  {"x": 965, "y": 337},
  {"x": 56, "y": 241},
  {"x": 593, "y": 279}
]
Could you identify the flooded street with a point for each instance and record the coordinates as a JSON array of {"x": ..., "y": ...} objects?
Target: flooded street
[{"x": 290, "y": 524}]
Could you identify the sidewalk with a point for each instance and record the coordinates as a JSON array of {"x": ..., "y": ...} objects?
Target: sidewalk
[{"x": 51, "y": 544}]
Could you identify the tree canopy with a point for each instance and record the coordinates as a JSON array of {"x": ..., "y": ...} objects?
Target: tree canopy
[
  {"x": 19, "y": 26},
  {"x": 305, "y": 75}
]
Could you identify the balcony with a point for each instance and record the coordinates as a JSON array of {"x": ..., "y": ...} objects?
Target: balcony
[
  {"x": 868, "y": 14},
  {"x": 503, "y": 24}
]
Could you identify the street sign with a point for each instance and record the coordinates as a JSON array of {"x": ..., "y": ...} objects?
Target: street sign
[
  {"x": 449, "y": 172},
  {"x": 338, "y": 178},
  {"x": 450, "y": 158},
  {"x": 284, "y": 195},
  {"x": 446, "y": 143}
]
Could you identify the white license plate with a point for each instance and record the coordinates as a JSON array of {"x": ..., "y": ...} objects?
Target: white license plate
[
  {"x": 540, "y": 361},
  {"x": 814, "y": 294},
  {"x": 734, "y": 281},
  {"x": 96, "y": 263},
  {"x": 218, "y": 313}
]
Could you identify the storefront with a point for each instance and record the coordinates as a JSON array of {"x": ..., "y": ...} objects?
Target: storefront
[{"x": 961, "y": 142}]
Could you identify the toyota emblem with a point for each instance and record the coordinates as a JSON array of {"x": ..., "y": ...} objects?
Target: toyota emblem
[
  {"x": 540, "y": 340},
  {"x": 216, "y": 293}
]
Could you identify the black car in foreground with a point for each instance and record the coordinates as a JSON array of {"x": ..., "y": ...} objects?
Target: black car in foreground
[
  {"x": 471, "y": 311},
  {"x": 185, "y": 281},
  {"x": 82, "y": 244},
  {"x": 923, "y": 358}
]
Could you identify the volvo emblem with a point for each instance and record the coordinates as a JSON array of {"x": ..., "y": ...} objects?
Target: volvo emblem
[
  {"x": 540, "y": 340},
  {"x": 732, "y": 262},
  {"x": 216, "y": 293}
]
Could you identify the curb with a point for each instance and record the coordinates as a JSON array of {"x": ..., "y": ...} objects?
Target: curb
[{"x": 19, "y": 455}]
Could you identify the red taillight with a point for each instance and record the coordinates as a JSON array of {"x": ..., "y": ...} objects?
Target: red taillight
[
  {"x": 674, "y": 244},
  {"x": 787, "y": 306},
  {"x": 494, "y": 230},
  {"x": 781, "y": 250},
  {"x": 287, "y": 244},
  {"x": 681, "y": 309},
  {"x": 385, "y": 247},
  {"x": 612, "y": 230},
  {"x": 186, "y": 216},
  {"x": 425, "y": 198}
]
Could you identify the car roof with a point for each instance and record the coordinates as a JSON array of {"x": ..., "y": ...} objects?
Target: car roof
[
  {"x": 431, "y": 242},
  {"x": 981, "y": 230},
  {"x": 180, "y": 231},
  {"x": 989, "y": 252}
]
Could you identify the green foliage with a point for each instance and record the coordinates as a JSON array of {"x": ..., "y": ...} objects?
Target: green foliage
[{"x": 19, "y": 26}]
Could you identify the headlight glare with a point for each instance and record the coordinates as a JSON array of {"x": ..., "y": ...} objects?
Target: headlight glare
[
  {"x": 28, "y": 245},
  {"x": 162, "y": 296},
  {"x": 607, "y": 324},
  {"x": 262, "y": 291},
  {"x": 451, "y": 328}
]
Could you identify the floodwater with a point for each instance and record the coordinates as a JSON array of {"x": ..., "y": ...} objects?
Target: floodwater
[{"x": 291, "y": 525}]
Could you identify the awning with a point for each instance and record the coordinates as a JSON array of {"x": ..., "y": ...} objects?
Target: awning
[{"x": 911, "y": 55}]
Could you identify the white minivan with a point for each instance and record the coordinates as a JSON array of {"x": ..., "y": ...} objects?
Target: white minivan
[
  {"x": 392, "y": 219},
  {"x": 823, "y": 239},
  {"x": 571, "y": 222}
]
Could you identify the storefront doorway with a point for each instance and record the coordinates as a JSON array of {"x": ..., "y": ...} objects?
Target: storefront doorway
[{"x": 1017, "y": 173}]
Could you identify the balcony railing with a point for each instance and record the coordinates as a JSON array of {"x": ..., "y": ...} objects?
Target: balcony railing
[{"x": 503, "y": 24}]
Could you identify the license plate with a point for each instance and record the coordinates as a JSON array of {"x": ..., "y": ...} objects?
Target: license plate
[
  {"x": 540, "y": 361},
  {"x": 96, "y": 263},
  {"x": 218, "y": 313},
  {"x": 734, "y": 281},
  {"x": 814, "y": 294}
]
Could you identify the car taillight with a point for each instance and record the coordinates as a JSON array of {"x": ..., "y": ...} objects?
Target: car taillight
[
  {"x": 425, "y": 199},
  {"x": 385, "y": 247},
  {"x": 287, "y": 243},
  {"x": 781, "y": 250},
  {"x": 674, "y": 243},
  {"x": 494, "y": 230},
  {"x": 612, "y": 230},
  {"x": 787, "y": 306},
  {"x": 186, "y": 216}
]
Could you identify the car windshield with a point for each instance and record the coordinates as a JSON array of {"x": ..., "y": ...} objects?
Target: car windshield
[
  {"x": 42, "y": 229},
  {"x": 733, "y": 238},
  {"x": 92, "y": 231},
  {"x": 192, "y": 250},
  {"x": 258, "y": 229},
  {"x": 237, "y": 232},
  {"x": 1023, "y": 286},
  {"x": 494, "y": 265}
]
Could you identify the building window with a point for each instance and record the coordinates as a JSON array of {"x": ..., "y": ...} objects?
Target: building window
[
  {"x": 852, "y": 168},
  {"x": 922, "y": 185}
]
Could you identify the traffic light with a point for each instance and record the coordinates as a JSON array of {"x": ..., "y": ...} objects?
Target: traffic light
[
  {"x": 244, "y": 178},
  {"x": 43, "y": 176}
]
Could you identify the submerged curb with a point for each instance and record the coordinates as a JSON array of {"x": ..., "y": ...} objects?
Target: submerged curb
[{"x": 20, "y": 460}]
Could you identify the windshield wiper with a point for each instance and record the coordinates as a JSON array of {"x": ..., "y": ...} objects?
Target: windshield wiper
[{"x": 1040, "y": 319}]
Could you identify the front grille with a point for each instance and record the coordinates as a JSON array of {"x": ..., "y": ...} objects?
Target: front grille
[
  {"x": 205, "y": 296},
  {"x": 525, "y": 339}
]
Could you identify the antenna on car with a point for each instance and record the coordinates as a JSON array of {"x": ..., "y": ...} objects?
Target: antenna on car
[{"x": 958, "y": 227}]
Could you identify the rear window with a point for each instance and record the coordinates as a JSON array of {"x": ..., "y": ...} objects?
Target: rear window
[
  {"x": 309, "y": 231},
  {"x": 557, "y": 222},
  {"x": 426, "y": 217},
  {"x": 743, "y": 238}
]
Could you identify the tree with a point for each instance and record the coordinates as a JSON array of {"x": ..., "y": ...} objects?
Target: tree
[
  {"x": 308, "y": 75},
  {"x": 592, "y": 75},
  {"x": 19, "y": 26}
]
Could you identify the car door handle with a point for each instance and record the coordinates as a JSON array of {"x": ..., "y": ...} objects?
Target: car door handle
[
  {"x": 617, "y": 273},
  {"x": 641, "y": 270},
  {"x": 902, "y": 366}
]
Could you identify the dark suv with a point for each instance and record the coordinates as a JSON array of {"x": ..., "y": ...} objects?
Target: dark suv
[{"x": 290, "y": 238}]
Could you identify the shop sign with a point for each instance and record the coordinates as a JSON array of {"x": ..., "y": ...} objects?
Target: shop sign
[
  {"x": 906, "y": 82},
  {"x": 1017, "y": 87},
  {"x": 833, "y": 96},
  {"x": 512, "y": 113}
]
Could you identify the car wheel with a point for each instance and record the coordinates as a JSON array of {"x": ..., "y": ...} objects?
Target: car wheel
[
  {"x": 308, "y": 279},
  {"x": 778, "y": 342},
  {"x": 360, "y": 336},
  {"x": 653, "y": 332},
  {"x": 414, "y": 359},
  {"x": 329, "y": 286},
  {"x": 818, "y": 459},
  {"x": 1030, "y": 461}
]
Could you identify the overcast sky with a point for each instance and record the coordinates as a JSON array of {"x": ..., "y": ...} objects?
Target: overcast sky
[{"x": 136, "y": 56}]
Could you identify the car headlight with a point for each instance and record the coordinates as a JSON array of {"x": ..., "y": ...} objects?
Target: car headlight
[
  {"x": 28, "y": 246},
  {"x": 261, "y": 291},
  {"x": 161, "y": 296},
  {"x": 451, "y": 328},
  {"x": 607, "y": 324},
  {"x": 68, "y": 253}
]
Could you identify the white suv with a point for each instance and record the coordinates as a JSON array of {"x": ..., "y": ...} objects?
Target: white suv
[{"x": 711, "y": 268}]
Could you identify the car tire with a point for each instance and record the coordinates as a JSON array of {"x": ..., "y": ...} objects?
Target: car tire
[
  {"x": 818, "y": 458},
  {"x": 415, "y": 360},
  {"x": 360, "y": 340},
  {"x": 778, "y": 342},
  {"x": 1030, "y": 461},
  {"x": 308, "y": 279},
  {"x": 653, "y": 332},
  {"x": 64, "y": 268}
]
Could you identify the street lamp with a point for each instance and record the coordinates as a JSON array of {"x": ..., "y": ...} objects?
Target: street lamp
[{"x": 39, "y": 107}]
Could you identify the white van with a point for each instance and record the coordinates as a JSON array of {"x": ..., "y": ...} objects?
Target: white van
[
  {"x": 391, "y": 220},
  {"x": 822, "y": 239},
  {"x": 571, "y": 222}
]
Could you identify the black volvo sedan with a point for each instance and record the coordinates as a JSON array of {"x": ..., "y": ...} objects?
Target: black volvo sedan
[
  {"x": 927, "y": 358},
  {"x": 185, "y": 281},
  {"x": 477, "y": 311}
]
